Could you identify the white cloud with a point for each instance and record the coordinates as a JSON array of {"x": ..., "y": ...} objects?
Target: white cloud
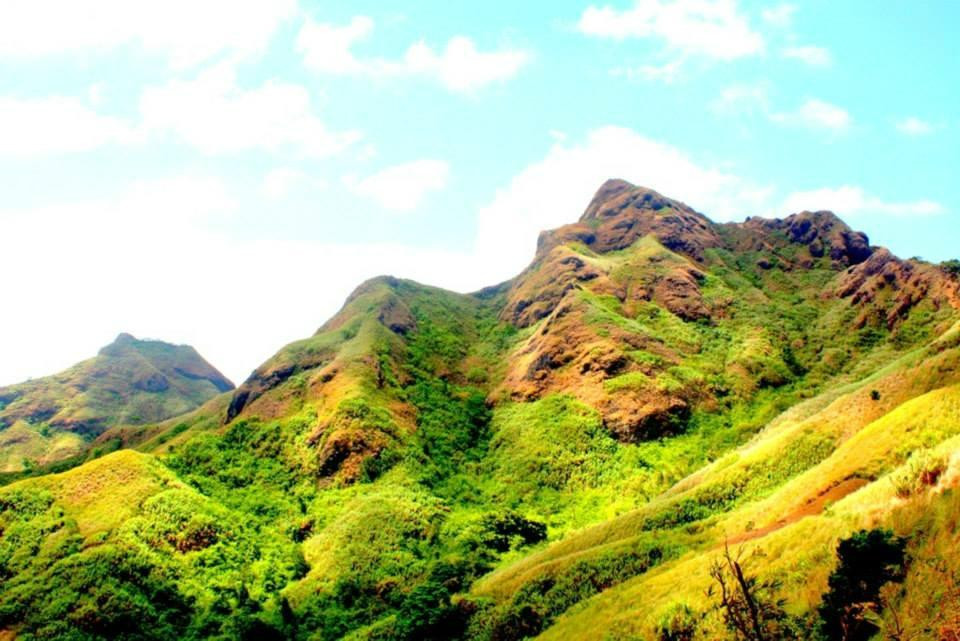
[
  {"x": 185, "y": 32},
  {"x": 212, "y": 113},
  {"x": 460, "y": 66},
  {"x": 816, "y": 114},
  {"x": 55, "y": 125},
  {"x": 850, "y": 201},
  {"x": 779, "y": 16},
  {"x": 327, "y": 47},
  {"x": 713, "y": 28},
  {"x": 742, "y": 99},
  {"x": 666, "y": 72},
  {"x": 914, "y": 126},
  {"x": 403, "y": 187},
  {"x": 555, "y": 191},
  {"x": 150, "y": 260},
  {"x": 809, "y": 54},
  {"x": 280, "y": 182}
]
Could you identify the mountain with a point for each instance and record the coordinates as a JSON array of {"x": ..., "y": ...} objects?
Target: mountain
[
  {"x": 129, "y": 382},
  {"x": 566, "y": 455}
]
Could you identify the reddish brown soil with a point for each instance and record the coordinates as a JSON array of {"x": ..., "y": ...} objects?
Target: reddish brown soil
[{"x": 812, "y": 507}]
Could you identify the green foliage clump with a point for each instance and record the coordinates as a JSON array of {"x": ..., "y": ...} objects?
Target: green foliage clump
[
  {"x": 538, "y": 602},
  {"x": 922, "y": 471},
  {"x": 867, "y": 561},
  {"x": 952, "y": 267},
  {"x": 678, "y": 623}
]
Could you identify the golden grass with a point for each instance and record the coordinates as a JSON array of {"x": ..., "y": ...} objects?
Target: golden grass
[
  {"x": 101, "y": 494},
  {"x": 800, "y": 554}
]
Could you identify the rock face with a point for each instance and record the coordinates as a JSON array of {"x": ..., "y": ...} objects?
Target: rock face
[
  {"x": 620, "y": 213},
  {"x": 612, "y": 310},
  {"x": 888, "y": 288},
  {"x": 821, "y": 232},
  {"x": 129, "y": 382}
]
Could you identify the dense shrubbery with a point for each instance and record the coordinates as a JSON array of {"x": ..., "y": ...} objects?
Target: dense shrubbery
[
  {"x": 537, "y": 603},
  {"x": 866, "y": 562}
]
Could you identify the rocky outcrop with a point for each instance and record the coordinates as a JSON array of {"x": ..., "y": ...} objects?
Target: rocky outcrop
[
  {"x": 821, "y": 232},
  {"x": 537, "y": 294},
  {"x": 632, "y": 419},
  {"x": 887, "y": 287},
  {"x": 679, "y": 292},
  {"x": 621, "y": 213},
  {"x": 269, "y": 376}
]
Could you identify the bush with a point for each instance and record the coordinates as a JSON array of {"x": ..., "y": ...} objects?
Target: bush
[
  {"x": 923, "y": 470},
  {"x": 678, "y": 623},
  {"x": 868, "y": 560},
  {"x": 509, "y": 529}
]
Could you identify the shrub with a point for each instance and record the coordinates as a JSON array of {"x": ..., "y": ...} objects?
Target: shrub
[
  {"x": 923, "y": 470},
  {"x": 867, "y": 561},
  {"x": 951, "y": 266},
  {"x": 678, "y": 623},
  {"x": 750, "y": 608},
  {"x": 505, "y": 530}
]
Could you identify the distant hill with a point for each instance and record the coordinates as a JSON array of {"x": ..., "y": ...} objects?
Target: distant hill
[
  {"x": 129, "y": 382},
  {"x": 566, "y": 455}
]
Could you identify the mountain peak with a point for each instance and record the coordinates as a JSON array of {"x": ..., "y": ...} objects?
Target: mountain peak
[
  {"x": 621, "y": 213},
  {"x": 611, "y": 188}
]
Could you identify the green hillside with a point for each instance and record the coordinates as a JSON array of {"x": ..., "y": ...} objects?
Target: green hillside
[
  {"x": 129, "y": 382},
  {"x": 567, "y": 455}
]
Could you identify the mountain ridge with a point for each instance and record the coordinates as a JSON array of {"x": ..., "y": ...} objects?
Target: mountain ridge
[
  {"x": 129, "y": 381},
  {"x": 561, "y": 455}
]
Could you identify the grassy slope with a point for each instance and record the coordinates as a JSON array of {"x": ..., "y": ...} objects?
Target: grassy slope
[
  {"x": 370, "y": 452},
  {"x": 130, "y": 382}
]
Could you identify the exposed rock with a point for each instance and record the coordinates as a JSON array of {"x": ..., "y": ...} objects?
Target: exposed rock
[
  {"x": 822, "y": 232},
  {"x": 344, "y": 451},
  {"x": 155, "y": 382},
  {"x": 396, "y": 316},
  {"x": 886, "y": 286},
  {"x": 679, "y": 292},
  {"x": 632, "y": 420},
  {"x": 269, "y": 376},
  {"x": 545, "y": 284}
]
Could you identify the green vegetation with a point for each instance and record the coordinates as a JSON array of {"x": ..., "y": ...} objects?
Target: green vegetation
[
  {"x": 619, "y": 445},
  {"x": 47, "y": 424},
  {"x": 867, "y": 561}
]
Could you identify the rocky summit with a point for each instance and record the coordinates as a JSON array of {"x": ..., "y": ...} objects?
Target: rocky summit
[{"x": 663, "y": 428}]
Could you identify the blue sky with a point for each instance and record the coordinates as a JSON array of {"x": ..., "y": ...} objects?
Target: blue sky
[{"x": 223, "y": 173}]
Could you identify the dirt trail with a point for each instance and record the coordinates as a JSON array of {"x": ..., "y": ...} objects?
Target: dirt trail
[{"x": 810, "y": 508}]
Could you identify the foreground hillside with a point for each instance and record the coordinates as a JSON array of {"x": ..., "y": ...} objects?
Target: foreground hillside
[
  {"x": 130, "y": 382},
  {"x": 567, "y": 455}
]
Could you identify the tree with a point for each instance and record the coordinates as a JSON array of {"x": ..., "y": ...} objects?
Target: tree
[
  {"x": 951, "y": 266},
  {"x": 750, "y": 610},
  {"x": 868, "y": 560}
]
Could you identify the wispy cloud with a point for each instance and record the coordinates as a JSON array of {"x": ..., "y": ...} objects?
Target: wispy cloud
[
  {"x": 403, "y": 187},
  {"x": 809, "y": 54},
  {"x": 816, "y": 114},
  {"x": 849, "y": 200},
  {"x": 185, "y": 32},
  {"x": 780, "y": 15},
  {"x": 58, "y": 125},
  {"x": 212, "y": 113},
  {"x": 712, "y": 28},
  {"x": 666, "y": 72},
  {"x": 280, "y": 182},
  {"x": 459, "y": 66},
  {"x": 812, "y": 113},
  {"x": 913, "y": 126},
  {"x": 742, "y": 99}
]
